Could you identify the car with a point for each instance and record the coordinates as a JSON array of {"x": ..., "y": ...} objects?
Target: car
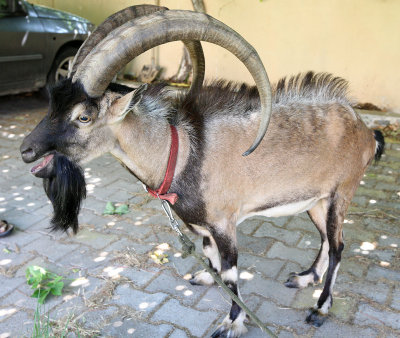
[{"x": 37, "y": 45}]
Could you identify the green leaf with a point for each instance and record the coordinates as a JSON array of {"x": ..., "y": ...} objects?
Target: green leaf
[
  {"x": 43, "y": 295},
  {"x": 122, "y": 209},
  {"x": 5, "y": 250},
  {"x": 57, "y": 288},
  {"x": 109, "y": 210}
]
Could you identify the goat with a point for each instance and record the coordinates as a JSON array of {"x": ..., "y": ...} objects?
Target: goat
[{"x": 312, "y": 157}]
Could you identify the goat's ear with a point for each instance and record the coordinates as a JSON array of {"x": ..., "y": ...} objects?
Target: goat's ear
[{"x": 121, "y": 107}]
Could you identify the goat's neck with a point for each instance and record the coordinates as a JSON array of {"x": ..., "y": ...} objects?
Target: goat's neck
[{"x": 143, "y": 145}]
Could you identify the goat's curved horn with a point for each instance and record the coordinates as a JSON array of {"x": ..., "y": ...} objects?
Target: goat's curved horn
[
  {"x": 118, "y": 19},
  {"x": 139, "y": 35}
]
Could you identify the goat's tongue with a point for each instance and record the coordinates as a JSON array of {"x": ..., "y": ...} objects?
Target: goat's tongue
[{"x": 47, "y": 159}]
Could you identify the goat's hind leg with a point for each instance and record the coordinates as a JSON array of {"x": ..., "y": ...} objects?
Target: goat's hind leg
[
  {"x": 335, "y": 218},
  {"x": 315, "y": 273}
]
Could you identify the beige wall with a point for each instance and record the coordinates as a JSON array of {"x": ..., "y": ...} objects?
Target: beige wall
[{"x": 356, "y": 39}]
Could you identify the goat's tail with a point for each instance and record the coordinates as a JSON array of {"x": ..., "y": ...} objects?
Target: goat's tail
[{"x": 380, "y": 144}]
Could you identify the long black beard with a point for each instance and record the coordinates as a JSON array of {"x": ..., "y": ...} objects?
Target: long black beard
[{"x": 65, "y": 186}]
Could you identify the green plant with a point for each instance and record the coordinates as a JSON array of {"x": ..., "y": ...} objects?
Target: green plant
[
  {"x": 112, "y": 210},
  {"x": 43, "y": 282}
]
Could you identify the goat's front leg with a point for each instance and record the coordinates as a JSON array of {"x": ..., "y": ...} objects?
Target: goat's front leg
[
  {"x": 210, "y": 250},
  {"x": 233, "y": 324}
]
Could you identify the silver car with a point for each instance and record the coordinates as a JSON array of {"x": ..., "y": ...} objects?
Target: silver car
[{"x": 37, "y": 45}]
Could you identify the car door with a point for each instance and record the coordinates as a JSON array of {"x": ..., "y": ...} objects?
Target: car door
[{"x": 22, "y": 47}]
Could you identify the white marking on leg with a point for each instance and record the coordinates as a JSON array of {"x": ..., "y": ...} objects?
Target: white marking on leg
[
  {"x": 323, "y": 262},
  {"x": 230, "y": 275},
  {"x": 203, "y": 278},
  {"x": 327, "y": 304},
  {"x": 211, "y": 252}
]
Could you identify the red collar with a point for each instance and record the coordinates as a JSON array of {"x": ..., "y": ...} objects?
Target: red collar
[{"x": 161, "y": 192}]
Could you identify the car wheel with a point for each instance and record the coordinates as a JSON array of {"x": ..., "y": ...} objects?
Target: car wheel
[{"x": 61, "y": 65}]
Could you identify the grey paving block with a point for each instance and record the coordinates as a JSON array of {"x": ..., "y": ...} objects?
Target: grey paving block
[
  {"x": 268, "y": 230},
  {"x": 136, "y": 299},
  {"x": 375, "y": 273},
  {"x": 135, "y": 328},
  {"x": 24, "y": 221},
  {"x": 281, "y": 251},
  {"x": 179, "y": 288},
  {"x": 368, "y": 316},
  {"x": 139, "y": 277},
  {"x": 8, "y": 284},
  {"x": 268, "y": 288},
  {"x": 197, "y": 322},
  {"x": 94, "y": 239},
  {"x": 249, "y": 225},
  {"x": 396, "y": 299},
  {"x": 272, "y": 314},
  {"x": 43, "y": 244},
  {"x": 338, "y": 330},
  {"x": 178, "y": 334},
  {"x": 17, "y": 325},
  {"x": 214, "y": 300},
  {"x": 268, "y": 267}
]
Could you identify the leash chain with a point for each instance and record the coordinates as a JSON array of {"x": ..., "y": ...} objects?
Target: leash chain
[{"x": 189, "y": 248}]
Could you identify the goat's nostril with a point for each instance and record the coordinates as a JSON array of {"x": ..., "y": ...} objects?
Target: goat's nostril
[{"x": 28, "y": 155}]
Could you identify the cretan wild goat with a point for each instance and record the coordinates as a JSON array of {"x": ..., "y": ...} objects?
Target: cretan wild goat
[{"x": 312, "y": 157}]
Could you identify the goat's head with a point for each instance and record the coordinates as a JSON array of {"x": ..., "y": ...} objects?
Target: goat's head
[{"x": 77, "y": 126}]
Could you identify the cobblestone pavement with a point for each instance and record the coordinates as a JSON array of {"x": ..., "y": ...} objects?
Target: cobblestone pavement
[{"x": 116, "y": 290}]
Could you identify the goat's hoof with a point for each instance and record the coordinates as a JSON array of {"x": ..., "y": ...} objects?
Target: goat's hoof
[
  {"x": 299, "y": 281},
  {"x": 229, "y": 329},
  {"x": 202, "y": 278},
  {"x": 315, "y": 318}
]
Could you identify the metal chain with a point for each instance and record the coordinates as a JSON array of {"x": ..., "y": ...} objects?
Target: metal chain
[{"x": 189, "y": 248}]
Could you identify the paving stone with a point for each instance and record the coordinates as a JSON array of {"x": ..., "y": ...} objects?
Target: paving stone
[
  {"x": 182, "y": 266},
  {"x": 268, "y": 230},
  {"x": 179, "y": 288},
  {"x": 368, "y": 315},
  {"x": 138, "y": 300},
  {"x": 43, "y": 244},
  {"x": 309, "y": 241},
  {"x": 136, "y": 328},
  {"x": 396, "y": 299},
  {"x": 95, "y": 239},
  {"x": 24, "y": 221},
  {"x": 139, "y": 277},
  {"x": 353, "y": 266},
  {"x": 268, "y": 288},
  {"x": 178, "y": 334},
  {"x": 299, "y": 223},
  {"x": 268, "y": 267},
  {"x": 214, "y": 300},
  {"x": 375, "y": 273},
  {"x": 195, "y": 321},
  {"x": 249, "y": 225},
  {"x": 378, "y": 292},
  {"x": 18, "y": 325},
  {"x": 389, "y": 241},
  {"x": 272, "y": 314},
  {"x": 8, "y": 284},
  {"x": 332, "y": 329},
  {"x": 97, "y": 319},
  {"x": 253, "y": 244},
  {"x": 382, "y": 255},
  {"x": 281, "y": 251}
]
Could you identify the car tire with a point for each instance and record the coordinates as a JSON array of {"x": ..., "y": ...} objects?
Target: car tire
[{"x": 59, "y": 69}]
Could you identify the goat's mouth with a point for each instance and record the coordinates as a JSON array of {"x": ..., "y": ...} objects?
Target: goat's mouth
[{"x": 44, "y": 168}]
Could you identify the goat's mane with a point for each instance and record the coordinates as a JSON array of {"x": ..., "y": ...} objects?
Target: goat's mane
[
  {"x": 238, "y": 100},
  {"x": 311, "y": 88}
]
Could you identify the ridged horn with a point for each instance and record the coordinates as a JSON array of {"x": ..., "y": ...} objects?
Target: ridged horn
[
  {"x": 139, "y": 35},
  {"x": 118, "y": 19}
]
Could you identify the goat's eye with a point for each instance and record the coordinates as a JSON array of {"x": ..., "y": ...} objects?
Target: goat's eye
[{"x": 84, "y": 119}]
